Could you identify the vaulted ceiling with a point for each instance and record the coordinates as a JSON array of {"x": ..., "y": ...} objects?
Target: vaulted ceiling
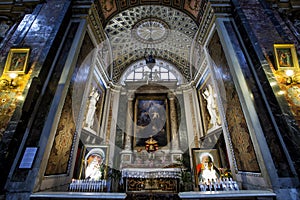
[
  {"x": 166, "y": 27},
  {"x": 165, "y": 32},
  {"x": 172, "y": 23}
]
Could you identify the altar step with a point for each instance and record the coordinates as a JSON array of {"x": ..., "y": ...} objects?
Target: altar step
[
  {"x": 97, "y": 195},
  {"x": 77, "y": 195},
  {"x": 152, "y": 196},
  {"x": 192, "y": 195}
]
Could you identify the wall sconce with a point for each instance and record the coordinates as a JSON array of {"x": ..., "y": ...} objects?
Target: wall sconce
[
  {"x": 292, "y": 77},
  {"x": 8, "y": 82},
  {"x": 289, "y": 74}
]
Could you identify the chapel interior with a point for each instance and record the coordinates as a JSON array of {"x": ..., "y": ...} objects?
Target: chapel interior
[{"x": 149, "y": 99}]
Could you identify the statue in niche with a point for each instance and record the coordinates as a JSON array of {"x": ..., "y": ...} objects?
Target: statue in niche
[
  {"x": 94, "y": 97},
  {"x": 211, "y": 105},
  {"x": 146, "y": 76},
  {"x": 156, "y": 75}
]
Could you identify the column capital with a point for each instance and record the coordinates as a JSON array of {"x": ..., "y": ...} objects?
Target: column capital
[
  {"x": 130, "y": 96},
  {"x": 171, "y": 95}
]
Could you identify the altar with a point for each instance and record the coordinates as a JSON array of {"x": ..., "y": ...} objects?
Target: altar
[{"x": 147, "y": 180}]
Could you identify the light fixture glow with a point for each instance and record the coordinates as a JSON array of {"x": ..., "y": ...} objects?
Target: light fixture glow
[
  {"x": 13, "y": 75},
  {"x": 289, "y": 72}
]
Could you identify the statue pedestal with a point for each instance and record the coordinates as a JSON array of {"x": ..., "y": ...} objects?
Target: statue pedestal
[
  {"x": 89, "y": 136},
  {"x": 176, "y": 156},
  {"x": 126, "y": 157}
]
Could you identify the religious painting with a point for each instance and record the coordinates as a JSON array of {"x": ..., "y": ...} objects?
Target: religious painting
[
  {"x": 17, "y": 60},
  {"x": 94, "y": 162},
  {"x": 95, "y": 105},
  {"x": 108, "y": 7},
  {"x": 206, "y": 164},
  {"x": 151, "y": 119},
  {"x": 286, "y": 57},
  {"x": 193, "y": 6}
]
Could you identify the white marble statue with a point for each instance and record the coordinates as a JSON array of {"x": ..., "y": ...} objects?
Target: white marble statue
[
  {"x": 155, "y": 75},
  {"x": 94, "y": 97},
  {"x": 146, "y": 76},
  {"x": 211, "y": 105}
]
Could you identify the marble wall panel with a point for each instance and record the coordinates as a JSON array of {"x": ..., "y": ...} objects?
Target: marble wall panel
[
  {"x": 64, "y": 137},
  {"x": 275, "y": 147},
  {"x": 61, "y": 149},
  {"x": 280, "y": 96},
  {"x": 44, "y": 107},
  {"x": 241, "y": 142}
]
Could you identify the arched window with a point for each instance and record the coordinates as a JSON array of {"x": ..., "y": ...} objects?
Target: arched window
[{"x": 161, "y": 72}]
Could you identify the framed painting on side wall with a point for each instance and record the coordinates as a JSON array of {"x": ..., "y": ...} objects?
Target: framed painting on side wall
[
  {"x": 17, "y": 60},
  {"x": 94, "y": 162},
  {"x": 286, "y": 57},
  {"x": 201, "y": 158}
]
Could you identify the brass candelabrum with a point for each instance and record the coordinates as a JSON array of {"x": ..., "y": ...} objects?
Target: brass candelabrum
[
  {"x": 292, "y": 77},
  {"x": 8, "y": 81}
]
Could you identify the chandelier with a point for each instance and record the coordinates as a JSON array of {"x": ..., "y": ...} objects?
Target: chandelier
[{"x": 149, "y": 58}]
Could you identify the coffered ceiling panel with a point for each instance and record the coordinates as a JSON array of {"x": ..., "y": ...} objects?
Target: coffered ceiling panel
[{"x": 164, "y": 31}]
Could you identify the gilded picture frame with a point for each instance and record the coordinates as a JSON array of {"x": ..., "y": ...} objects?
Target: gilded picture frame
[
  {"x": 198, "y": 153},
  {"x": 286, "y": 57},
  {"x": 17, "y": 60},
  {"x": 88, "y": 152}
]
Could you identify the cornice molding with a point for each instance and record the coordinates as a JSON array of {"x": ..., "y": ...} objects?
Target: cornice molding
[
  {"x": 215, "y": 9},
  {"x": 12, "y": 10},
  {"x": 96, "y": 24}
]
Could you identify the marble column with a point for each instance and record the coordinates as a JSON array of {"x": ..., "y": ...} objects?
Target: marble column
[
  {"x": 176, "y": 153},
  {"x": 126, "y": 153},
  {"x": 129, "y": 124},
  {"x": 174, "y": 125}
]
